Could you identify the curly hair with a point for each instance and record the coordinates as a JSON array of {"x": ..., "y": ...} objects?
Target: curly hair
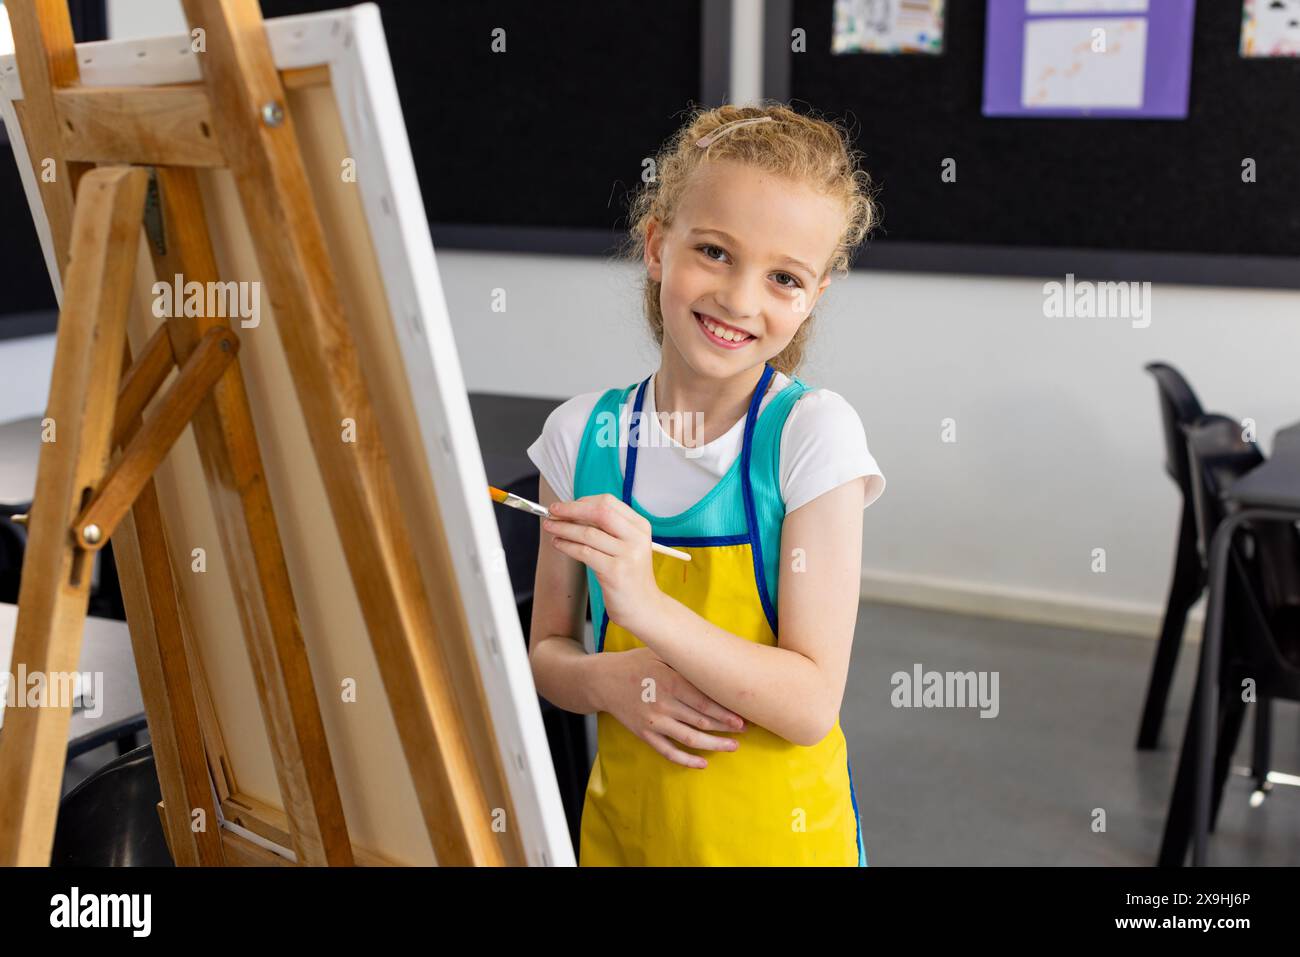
[{"x": 803, "y": 148}]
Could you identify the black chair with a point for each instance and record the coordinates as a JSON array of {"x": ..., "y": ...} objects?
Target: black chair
[
  {"x": 105, "y": 598},
  {"x": 1261, "y": 636},
  {"x": 1179, "y": 408},
  {"x": 111, "y": 818},
  {"x": 13, "y": 543},
  {"x": 1223, "y": 455}
]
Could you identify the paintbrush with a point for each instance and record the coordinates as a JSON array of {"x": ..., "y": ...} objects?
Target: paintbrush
[{"x": 515, "y": 501}]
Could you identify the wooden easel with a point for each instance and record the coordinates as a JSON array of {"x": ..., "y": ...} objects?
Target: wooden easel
[{"x": 111, "y": 147}]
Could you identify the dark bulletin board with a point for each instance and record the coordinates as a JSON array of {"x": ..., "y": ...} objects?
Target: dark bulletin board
[
  {"x": 27, "y": 303},
  {"x": 533, "y": 150},
  {"x": 1118, "y": 199},
  {"x": 536, "y": 148}
]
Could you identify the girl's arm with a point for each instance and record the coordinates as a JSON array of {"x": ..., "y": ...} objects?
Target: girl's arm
[
  {"x": 563, "y": 671},
  {"x": 794, "y": 689}
]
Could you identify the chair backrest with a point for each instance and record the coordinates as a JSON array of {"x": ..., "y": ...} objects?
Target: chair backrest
[
  {"x": 1218, "y": 455},
  {"x": 1264, "y": 564},
  {"x": 1179, "y": 408}
]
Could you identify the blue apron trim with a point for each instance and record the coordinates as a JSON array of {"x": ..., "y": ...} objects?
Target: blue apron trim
[
  {"x": 857, "y": 818},
  {"x": 629, "y": 472},
  {"x": 751, "y": 514},
  {"x": 633, "y": 436},
  {"x": 701, "y": 540}
]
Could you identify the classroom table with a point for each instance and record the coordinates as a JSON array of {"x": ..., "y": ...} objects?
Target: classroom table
[
  {"x": 106, "y": 649},
  {"x": 1270, "y": 492}
]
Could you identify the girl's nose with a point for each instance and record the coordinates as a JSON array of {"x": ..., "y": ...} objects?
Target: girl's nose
[{"x": 740, "y": 298}]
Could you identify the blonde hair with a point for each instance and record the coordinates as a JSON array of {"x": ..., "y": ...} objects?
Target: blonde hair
[{"x": 803, "y": 148}]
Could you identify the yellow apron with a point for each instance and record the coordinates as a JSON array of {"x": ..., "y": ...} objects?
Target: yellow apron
[{"x": 770, "y": 802}]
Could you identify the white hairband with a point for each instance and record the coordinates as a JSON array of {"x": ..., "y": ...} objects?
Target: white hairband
[{"x": 707, "y": 140}]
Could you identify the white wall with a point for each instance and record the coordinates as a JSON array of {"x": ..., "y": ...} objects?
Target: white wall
[
  {"x": 25, "y": 363},
  {"x": 28, "y": 362},
  {"x": 148, "y": 18},
  {"x": 1058, "y": 449}
]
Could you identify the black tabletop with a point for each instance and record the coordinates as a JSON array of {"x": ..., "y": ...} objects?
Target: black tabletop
[
  {"x": 1275, "y": 483},
  {"x": 506, "y": 425}
]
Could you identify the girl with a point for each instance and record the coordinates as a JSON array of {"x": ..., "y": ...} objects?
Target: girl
[{"x": 718, "y": 732}]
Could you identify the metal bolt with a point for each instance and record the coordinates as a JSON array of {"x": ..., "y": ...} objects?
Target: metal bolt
[
  {"x": 91, "y": 534},
  {"x": 19, "y": 519},
  {"x": 272, "y": 114}
]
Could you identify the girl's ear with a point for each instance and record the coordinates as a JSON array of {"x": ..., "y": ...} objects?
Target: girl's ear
[{"x": 654, "y": 251}]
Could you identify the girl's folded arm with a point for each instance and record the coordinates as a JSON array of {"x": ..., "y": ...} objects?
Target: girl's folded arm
[{"x": 795, "y": 689}]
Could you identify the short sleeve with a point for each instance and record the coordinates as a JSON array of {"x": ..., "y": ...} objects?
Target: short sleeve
[
  {"x": 555, "y": 451},
  {"x": 824, "y": 445}
]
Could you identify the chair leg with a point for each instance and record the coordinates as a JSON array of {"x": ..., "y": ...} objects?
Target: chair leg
[
  {"x": 1233, "y": 714},
  {"x": 1263, "y": 742},
  {"x": 1178, "y": 816},
  {"x": 1186, "y": 586}
]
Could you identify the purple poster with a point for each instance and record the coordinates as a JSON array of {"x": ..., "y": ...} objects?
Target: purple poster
[{"x": 1088, "y": 58}]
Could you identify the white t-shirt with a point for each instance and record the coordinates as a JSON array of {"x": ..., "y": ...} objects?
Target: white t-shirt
[{"x": 823, "y": 445}]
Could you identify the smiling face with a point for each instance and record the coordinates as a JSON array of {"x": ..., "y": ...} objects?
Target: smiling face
[{"x": 741, "y": 266}]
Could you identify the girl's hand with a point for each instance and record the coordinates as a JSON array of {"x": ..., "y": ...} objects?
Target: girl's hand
[
  {"x": 676, "y": 711},
  {"x": 613, "y": 540}
]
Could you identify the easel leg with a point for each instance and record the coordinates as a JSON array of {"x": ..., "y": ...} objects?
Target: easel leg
[
  {"x": 165, "y": 681},
  {"x": 56, "y": 574}
]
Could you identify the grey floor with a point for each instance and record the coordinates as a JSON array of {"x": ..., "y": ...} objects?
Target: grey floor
[{"x": 943, "y": 786}]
